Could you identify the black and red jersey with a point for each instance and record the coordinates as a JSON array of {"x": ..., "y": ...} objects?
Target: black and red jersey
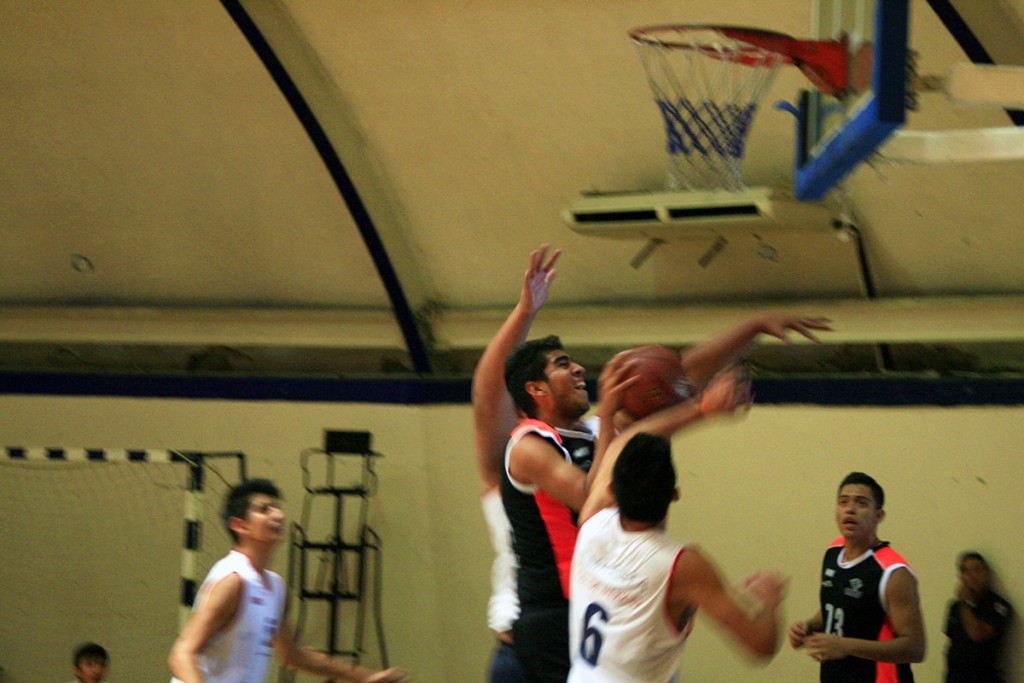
[
  {"x": 543, "y": 529},
  {"x": 853, "y": 606}
]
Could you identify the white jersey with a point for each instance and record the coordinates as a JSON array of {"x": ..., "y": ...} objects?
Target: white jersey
[
  {"x": 620, "y": 630},
  {"x": 503, "y": 605},
  {"x": 241, "y": 653}
]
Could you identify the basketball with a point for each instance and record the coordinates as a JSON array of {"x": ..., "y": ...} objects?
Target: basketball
[{"x": 661, "y": 381}]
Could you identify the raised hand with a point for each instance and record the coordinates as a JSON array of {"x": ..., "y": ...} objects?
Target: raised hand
[
  {"x": 616, "y": 375},
  {"x": 780, "y": 324},
  {"x": 768, "y": 587},
  {"x": 538, "y": 279}
]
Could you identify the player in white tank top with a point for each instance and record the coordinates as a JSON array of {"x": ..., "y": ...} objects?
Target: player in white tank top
[
  {"x": 503, "y": 605},
  {"x": 243, "y": 650},
  {"x": 633, "y": 590},
  {"x": 239, "y": 615},
  {"x": 619, "y": 626}
]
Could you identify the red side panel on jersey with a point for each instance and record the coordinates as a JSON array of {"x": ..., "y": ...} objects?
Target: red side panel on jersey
[
  {"x": 886, "y": 672},
  {"x": 562, "y": 533}
]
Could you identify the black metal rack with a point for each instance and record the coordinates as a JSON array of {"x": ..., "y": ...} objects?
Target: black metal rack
[{"x": 344, "y": 556}]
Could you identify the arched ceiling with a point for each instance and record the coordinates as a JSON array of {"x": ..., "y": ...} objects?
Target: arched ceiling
[{"x": 314, "y": 187}]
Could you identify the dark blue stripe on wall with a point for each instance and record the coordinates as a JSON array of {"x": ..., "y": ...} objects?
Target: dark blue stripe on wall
[
  {"x": 968, "y": 42},
  {"x": 375, "y": 246},
  {"x": 95, "y": 454},
  {"x": 411, "y": 391},
  {"x": 56, "y": 454},
  {"x": 877, "y": 391}
]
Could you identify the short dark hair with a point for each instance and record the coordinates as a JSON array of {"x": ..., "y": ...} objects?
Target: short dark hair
[
  {"x": 527, "y": 364},
  {"x": 644, "y": 478},
  {"x": 865, "y": 480},
  {"x": 970, "y": 555},
  {"x": 91, "y": 651},
  {"x": 237, "y": 502}
]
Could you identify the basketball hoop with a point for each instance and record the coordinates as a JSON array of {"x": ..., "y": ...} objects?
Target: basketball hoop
[{"x": 707, "y": 81}]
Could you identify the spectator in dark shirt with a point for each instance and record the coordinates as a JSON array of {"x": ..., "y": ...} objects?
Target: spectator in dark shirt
[{"x": 976, "y": 625}]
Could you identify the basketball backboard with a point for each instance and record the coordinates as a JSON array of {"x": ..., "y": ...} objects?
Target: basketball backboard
[{"x": 838, "y": 132}]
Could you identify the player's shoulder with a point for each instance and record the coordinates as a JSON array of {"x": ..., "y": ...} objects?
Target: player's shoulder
[
  {"x": 533, "y": 443},
  {"x": 225, "y": 593},
  {"x": 532, "y": 458},
  {"x": 692, "y": 568},
  {"x": 889, "y": 558},
  {"x": 692, "y": 554},
  {"x": 833, "y": 550},
  {"x": 231, "y": 580},
  {"x": 533, "y": 431},
  {"x": 276, "y": 580},
  {"x": 600, "y": 518}
]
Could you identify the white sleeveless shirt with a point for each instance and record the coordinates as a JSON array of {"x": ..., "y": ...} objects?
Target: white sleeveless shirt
[
  {"x": 620, "y": 630},
  {"x": 241, "y": 653},
  {"x": 503, "y": 605}
]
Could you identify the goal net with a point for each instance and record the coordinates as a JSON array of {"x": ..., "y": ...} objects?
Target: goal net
[{"x": 104, "y": 546}]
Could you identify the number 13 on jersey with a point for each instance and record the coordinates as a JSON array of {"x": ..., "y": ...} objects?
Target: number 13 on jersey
[{"x": 833, "y": 620}]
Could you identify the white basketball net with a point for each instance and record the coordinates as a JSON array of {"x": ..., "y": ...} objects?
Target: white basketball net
[{"x": 707, "y": 87}]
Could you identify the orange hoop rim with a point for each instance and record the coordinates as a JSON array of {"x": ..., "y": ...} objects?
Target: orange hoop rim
[
  {"x": 824, "y": 62},
  {"x": 763, "y": 39}
]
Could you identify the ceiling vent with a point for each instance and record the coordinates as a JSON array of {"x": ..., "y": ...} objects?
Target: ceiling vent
[{"x": 693, "y": 214}]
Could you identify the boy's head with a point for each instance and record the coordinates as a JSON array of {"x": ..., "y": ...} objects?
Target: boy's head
[
  {"x": 974, "y": 571},
  {"x": 237, "y": 502},
  {"x": 860, "y": 508},
  {"x": 527, "y": 364},
  {"x": 866, "y": 480},
  {"x": 644, "y": 479},
  {"x": 90, "y": 663}
]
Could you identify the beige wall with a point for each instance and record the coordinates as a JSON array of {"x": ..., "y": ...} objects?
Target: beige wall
[{"x": 755, "y": 493}]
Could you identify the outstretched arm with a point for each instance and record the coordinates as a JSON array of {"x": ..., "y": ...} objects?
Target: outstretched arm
[
  {"x": 696, "y": 583},
  {"x": 703, "y": 361},
  {"x": 494, "y": 414},
  {"x": 306, "y": 659}
]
